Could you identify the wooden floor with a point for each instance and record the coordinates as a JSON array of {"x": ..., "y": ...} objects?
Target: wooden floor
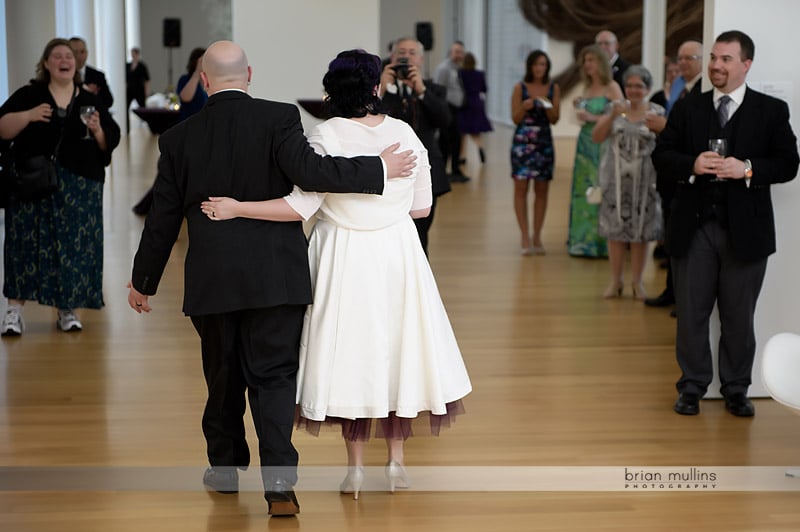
[{"x": 562, "y": 379}]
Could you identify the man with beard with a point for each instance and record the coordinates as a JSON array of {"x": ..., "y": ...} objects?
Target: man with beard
[{"x": 721, "y": 229}]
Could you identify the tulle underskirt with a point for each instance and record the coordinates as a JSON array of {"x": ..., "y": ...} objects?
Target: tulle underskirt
[{"x": 392, "y": 427}]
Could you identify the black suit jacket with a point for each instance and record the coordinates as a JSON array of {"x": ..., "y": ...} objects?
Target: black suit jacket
[
  {"x": 759, "y": 131},
  {"x": 618, "y": 68},
  {"x": 666, "y": 184},
  {"x": 93, "y": 75},
  {"x": 426, "y": 117},
  {"x": 251, "y": 150}
]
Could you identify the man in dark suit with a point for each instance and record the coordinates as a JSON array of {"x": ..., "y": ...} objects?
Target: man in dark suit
[
  {"x": 93, "y": 80},
  {"x": 423, "y": 105},
  {"x": 247, "y": 282},
  {"x": 608, "y": 42},
  {"x": 721, "y": 228}
]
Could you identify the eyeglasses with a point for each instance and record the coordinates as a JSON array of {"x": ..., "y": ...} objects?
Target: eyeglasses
[
  {"x": 635, "y": 86},
  {"x": 689, "y": 57}
]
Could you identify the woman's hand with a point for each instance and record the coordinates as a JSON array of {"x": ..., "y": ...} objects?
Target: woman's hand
[
  {"x": 220, "y": 208},
  {"x": 94, "y": 124},
  {"x": 528, "y": 104},
  {"x": 40, "y": 113}
]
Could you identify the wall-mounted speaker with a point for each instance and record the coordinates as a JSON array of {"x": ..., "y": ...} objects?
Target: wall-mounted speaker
[
  {"x": 425, "y": 35},
  {"x": 172, "y": 32}
]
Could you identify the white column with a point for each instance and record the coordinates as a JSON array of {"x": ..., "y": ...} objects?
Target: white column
[
  {"x": 29, "y": 26},
  {"x": 75, "y": 18},
  {"x": 133, "y": 26},
  {"x": 109, "y": 23},
  {"x": 654, "y": 24}
]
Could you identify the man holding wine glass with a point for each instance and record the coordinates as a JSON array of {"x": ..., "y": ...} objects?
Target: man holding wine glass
[{"x": 722, "y": 150}]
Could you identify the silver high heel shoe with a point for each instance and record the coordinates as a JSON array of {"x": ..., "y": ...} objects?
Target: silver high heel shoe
[
  {"x": 397, "y": 476},
  {"x": 353, "y": 481}
]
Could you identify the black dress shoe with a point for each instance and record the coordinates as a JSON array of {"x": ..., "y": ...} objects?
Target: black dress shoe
[
  {"x": 688, "y": 404},
  {"x": 664, "y": 299},
  {"x": 458, "y": 178},
  {"x": 281, "y": 499},
  {"x": 222, "y": 479},
  {"x": 739, "y": 405}
]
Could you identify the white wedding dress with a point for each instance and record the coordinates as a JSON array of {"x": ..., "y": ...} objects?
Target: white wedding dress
[{"x": 377, "y": 338}]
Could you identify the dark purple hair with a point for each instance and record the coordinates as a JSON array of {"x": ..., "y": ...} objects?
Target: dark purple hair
[{"x": 350, "y": 84}]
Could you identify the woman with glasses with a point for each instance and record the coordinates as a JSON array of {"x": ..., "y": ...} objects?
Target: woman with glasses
[{"x": 630, "y": 212}]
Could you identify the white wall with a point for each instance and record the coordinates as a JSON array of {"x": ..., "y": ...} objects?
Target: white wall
[
  {"x": 291, "y": 44},
  {"x": 771, "y": 26},
  {"x": 202, "y": 22},
  {"x": 399, "y": 19}
]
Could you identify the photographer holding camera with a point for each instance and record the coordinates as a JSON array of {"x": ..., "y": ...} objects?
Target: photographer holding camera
[{"x": 423, "y": 105}]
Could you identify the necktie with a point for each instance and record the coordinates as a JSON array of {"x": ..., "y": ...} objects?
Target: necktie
[{"x": 722, "y": 110}]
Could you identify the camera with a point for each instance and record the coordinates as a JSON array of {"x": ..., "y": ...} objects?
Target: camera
[{"x": 401, "y": 68}]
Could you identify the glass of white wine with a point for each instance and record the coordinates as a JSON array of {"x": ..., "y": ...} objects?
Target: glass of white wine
[
  {"x": 86, "y": 114},
  {"x": 719, "y": 146}
]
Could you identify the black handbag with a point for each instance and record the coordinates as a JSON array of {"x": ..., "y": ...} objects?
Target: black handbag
[{"x": 35, "y": 178}]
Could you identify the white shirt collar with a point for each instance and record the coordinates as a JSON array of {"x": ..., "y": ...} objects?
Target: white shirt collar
[
  {"x": 737, "y": 94},
  {"x": 691, "y": 82}
]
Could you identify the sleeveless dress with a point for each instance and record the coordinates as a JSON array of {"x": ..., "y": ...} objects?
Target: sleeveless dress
[
  {"x": 631, "y": 207},
  {"x": 376, "y": 342},
  {"x": 532, "y": 155},
  {"x": 584, "y": 239}
]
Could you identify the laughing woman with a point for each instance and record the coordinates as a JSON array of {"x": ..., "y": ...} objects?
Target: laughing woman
[{"x": 54, "y": 245}]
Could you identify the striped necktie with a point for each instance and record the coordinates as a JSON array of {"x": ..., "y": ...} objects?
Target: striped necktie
[{"x": 722, "y": 110}]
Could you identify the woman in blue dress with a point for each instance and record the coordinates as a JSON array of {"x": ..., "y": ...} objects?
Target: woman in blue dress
[
  {"x": 599, "y": 90},
  {"x": 534, "y": 106}
]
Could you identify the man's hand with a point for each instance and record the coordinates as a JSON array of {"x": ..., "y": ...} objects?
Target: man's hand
[
  {"x": 94, "y": 88},
  {"x": 414, "y": 80},
  {"x": 731, "y": 168},
  {"x": 137, "y": 300},
  {"x": 398, "y": 164},
  {"x": 707, "y": 163},
  {"x": 388, "y": 77}
]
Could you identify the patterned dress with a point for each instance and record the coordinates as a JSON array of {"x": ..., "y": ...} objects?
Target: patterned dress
[
  {"x": 631, "y": 207},
  {"x": 532, "y": 154},
  {"x": 584, "y": 239}
]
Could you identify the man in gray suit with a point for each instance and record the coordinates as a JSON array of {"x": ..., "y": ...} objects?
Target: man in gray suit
[{"x": 247, "y": 282}]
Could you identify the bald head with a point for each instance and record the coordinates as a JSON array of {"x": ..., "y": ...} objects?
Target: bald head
[
  {"x": 225, "y": 67},
  {"x": 608, "y": 42},
  {"x": 690, "y": 59}
]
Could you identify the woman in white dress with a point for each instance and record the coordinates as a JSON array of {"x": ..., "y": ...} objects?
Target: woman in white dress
[{"x": 377, "y": 342}]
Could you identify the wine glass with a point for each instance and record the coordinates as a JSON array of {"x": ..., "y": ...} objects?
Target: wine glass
[
  {"x": 719, "y": 146},
  {"x": 86, "y": 114}
]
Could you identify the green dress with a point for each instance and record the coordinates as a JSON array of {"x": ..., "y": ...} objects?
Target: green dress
[{"x": 584, "y": 240}]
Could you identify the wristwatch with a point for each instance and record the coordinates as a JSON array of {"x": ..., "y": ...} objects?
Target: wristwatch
[{"x": 748, "y": 169}]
